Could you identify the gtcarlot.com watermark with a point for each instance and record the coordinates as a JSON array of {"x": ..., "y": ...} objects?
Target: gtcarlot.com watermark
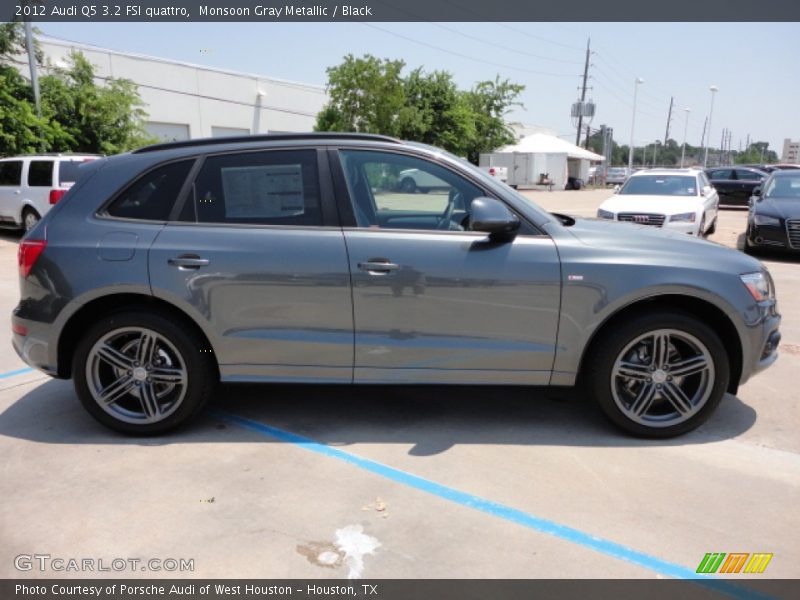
[{"x": 59, "y": 564}]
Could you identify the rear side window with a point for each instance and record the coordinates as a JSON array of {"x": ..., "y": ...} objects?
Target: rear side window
[
  {"x": 152, "y": 196},
  {"x": 69, "y": 170},
  {"x": 259, "y": 188},
  {"x": 10, "y": 172},
  {"x": 40, "y": 173},
  {"x": 721, "y": 174}
]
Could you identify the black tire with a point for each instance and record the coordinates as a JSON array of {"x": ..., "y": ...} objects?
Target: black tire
[
  {"x": 748, "y": 247},
  {"x": 201, "y": 374},
  {"x": 601, "y": 363},
  {"x": 408, "y": 185},
  {"x": 30, "y": 218},
  {"x": 713, "y": 229}
]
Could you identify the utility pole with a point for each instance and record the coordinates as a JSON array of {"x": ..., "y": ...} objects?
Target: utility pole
[
  {"x": 583, "y": 92},
  {"x": 588, "y": 135},
  {"x": 703, "y": 137},
  {"x": 669, "y": 120}
]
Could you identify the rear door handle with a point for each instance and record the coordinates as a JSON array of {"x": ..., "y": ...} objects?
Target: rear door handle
[
  {"x": 378, "y": 265},
  {"x": 188, "y": 261}
]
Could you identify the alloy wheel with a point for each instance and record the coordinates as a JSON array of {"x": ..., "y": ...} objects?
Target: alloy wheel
[{"x": 662, "y": 378}]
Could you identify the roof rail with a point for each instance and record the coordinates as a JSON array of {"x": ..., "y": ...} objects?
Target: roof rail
[{"x": 268, "y": 137}]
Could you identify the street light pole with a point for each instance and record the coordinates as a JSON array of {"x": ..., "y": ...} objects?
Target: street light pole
[
  {"x": 638, "y": 81},
  {"x": 685, "y": 129},
  {"x": 714, "y": 89}
]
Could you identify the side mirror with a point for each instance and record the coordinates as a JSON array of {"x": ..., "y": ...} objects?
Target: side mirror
[
  {"x": 757, "y": 191},
  {"x": 707, "y": 189},
  {"x": 493, "y": 217}
]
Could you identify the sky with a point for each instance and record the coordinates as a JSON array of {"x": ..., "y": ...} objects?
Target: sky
[{"x": 754, "y": 65}]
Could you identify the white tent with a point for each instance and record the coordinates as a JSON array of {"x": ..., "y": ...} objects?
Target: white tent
[
  {"x": 541, "y": 143},
  {"x": 541, "y": 157}
]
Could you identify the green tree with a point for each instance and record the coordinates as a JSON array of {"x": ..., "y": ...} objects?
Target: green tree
[
  {"x": 76, "y": 113},
  {"x": 366, "y": 95},
  {"x": 371, "y": 95}
]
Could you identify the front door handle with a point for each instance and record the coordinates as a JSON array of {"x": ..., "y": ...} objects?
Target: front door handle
[
  {"x": 378, "y": 266},
  {"x": 188, "y": 261}
]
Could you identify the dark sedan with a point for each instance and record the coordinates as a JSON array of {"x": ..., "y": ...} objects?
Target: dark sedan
[
  {"x": 774, "y": 217},
  {"x": 735, "y": 185}
]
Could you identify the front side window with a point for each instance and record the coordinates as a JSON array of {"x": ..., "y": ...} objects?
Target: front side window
[
  {"x": 395, "y": 191},
  {"x": 152, "y": 196},
  {"x": 257, "y": 188},
  {"x": 11, "y": 172},
  {"x": 747, "y": 175},
  {"x": 40, "y": 173}
]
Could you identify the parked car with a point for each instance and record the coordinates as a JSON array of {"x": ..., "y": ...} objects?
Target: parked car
[
  {"x": 679, "y": 199},
  {"x": 787, "y": 167},
  {"x": 414, "y": 180},
  {"x": 773, "y": 220},
  {"x": 30, "y": 185},
  {"x": 283, "y": 258},
  {"x": 735, "y": 185},
  {"x": 616, "y": 175}
]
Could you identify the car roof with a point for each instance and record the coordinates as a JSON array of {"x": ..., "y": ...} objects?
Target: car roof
[
  {"x": 685, "y": 171},
  {"x": 46, "y": 155},
  {"x": 246, "y": 140},
  {"x": 785, "y": 173}
]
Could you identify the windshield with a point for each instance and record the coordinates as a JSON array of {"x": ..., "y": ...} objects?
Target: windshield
[
  {"x": 661, "y": 185},
  {"x": 783, "y": 187}
]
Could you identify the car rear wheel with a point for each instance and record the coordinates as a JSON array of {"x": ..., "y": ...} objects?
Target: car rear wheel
[
  {"x": 141, "y": 373},
  {"x": 659, "y": 375},
  {"x": 30, "y": 218}
]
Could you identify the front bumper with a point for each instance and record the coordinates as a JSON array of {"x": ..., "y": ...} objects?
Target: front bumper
[
  {"x": 763, "y": 338},
  {"x": 769, "y": 236}
]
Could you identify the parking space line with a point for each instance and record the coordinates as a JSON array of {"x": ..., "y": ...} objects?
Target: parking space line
[
  {"x": 564, "y": 532},
  {"x": 17, "y": 372}
]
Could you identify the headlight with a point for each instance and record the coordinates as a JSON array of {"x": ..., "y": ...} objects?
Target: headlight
[
  {"x": 604, "y": 214},
  {"x": 683, "y": 217},
  {"x": 765, "y": 220},
  {"x": 758, "y": 285}
]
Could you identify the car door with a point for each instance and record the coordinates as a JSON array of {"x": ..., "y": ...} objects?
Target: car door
[
  {"x": 257, "y": 256},
  {"x": 434, "y": 302},
  {"x": 747, "y": 181},
  {"x": 725, "y": 183},
  {"x": 10, "y": 190}
]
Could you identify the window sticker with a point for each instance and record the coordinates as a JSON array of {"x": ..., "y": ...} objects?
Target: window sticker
[{"x": 266, "y": 191}]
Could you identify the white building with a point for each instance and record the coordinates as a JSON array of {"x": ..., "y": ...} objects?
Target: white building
[
  {"x": 791, "y": 152},
  {"x": 185, "y": 101}
]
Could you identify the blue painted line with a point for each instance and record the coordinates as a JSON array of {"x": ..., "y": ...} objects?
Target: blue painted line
[
  {"x": 17, "y": 372},
  {"x": 495, "y": 509}
]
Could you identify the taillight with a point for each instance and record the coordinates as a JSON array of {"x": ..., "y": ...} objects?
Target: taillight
[
  {"x": 19, "y": 329},
  {"x": 28, "y": 254},
  {"x": 492, "y": 171},
  {"x": 56, "y": 195}
]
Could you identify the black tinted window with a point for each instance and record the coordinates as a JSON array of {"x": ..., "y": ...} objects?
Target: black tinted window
[
  {"x": 10, "y": 172},
  {"x": 69, "y": 170},
  {"x": 153, "y": 195},
  {"x": 265, "y": 188},
  {"x": 748, "y": 175},
  {"x": 40, "y": 173},
  {"x": 721, "y": 174}
]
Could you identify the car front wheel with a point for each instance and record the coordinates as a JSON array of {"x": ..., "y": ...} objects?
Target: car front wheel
[
  {"x": 141, "y": 373},
  {"x": 659, "y": 375}
]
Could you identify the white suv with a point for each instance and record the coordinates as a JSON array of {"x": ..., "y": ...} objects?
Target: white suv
[{"x": 30, "y": 185}]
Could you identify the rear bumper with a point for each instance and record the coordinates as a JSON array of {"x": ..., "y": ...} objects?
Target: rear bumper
[{"x": 34, "y": 346}]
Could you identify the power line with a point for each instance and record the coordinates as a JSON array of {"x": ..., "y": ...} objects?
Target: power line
[
  {"x": 507, "y": 48},
  {"x": 468, "y": 57}
]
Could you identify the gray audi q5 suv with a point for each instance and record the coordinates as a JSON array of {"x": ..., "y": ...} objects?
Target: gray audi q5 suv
[{"x": 301, "y": 258}]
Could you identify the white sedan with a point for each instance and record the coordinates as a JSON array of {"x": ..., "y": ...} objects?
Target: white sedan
[{"x": 680, "y": 199}]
